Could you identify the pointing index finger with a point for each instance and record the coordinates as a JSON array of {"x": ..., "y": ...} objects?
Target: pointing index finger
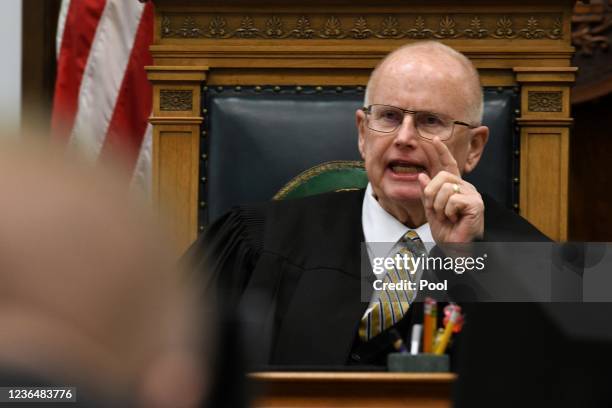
[{"x": 446, "y": 159}]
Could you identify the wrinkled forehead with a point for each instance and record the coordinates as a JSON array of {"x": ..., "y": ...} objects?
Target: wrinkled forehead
[{"x": 434, "y": 82}]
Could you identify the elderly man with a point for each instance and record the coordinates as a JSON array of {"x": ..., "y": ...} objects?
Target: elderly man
[
  {"x": 415, "y": 166},
  {"x": 293, "y": 267}
]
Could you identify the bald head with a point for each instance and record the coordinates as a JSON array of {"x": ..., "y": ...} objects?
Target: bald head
[{"x": 437, "y": 63}]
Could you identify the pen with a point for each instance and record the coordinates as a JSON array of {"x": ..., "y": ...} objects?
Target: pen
[{"x": 415, "y": 339}]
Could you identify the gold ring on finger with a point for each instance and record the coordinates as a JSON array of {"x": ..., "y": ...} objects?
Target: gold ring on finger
[{"x": 456, "y": 188}]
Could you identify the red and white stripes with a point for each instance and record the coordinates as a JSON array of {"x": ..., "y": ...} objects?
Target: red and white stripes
[{"x": 102, "y": 98}]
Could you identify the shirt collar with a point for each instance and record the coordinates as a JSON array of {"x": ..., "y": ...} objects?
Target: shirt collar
[{"x": 380, "y": 226}]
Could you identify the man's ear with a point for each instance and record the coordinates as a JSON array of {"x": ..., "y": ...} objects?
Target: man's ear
[
  {"x": 478, "y": 140},
  {"x": 360, "y": 119}
]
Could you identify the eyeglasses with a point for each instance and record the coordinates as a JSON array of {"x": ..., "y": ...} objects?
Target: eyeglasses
[{"x": 387, "y": 119}]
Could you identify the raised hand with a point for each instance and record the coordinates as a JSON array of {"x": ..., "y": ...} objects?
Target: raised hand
[{"x": 453, "y": 207}]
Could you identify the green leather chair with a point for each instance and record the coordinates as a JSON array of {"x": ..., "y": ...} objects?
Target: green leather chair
[
  {"x": 256, "y": 138},
  {"x": 330, "y": 176}
]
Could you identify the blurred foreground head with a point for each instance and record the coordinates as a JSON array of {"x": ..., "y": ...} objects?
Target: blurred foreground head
[{"x": 90, "y": 294}]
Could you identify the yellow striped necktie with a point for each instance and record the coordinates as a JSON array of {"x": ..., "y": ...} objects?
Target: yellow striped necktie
[{"x": 391, "y": 305}]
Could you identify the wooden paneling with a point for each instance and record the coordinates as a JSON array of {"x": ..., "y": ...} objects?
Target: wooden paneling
[
  {"x": 545, "y": 135},
  {"x": 337, "y": 42},
  {"x": 176, "y": 139},
  {"x": 355, "y": 390},
  {"x": 177, "y": 150},
  {"x": 592, "y": 37},
  {"x": 544, "y": 179}
]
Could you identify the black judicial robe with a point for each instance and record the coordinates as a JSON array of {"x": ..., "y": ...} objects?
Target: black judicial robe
[{"x": 293, "y": 268}]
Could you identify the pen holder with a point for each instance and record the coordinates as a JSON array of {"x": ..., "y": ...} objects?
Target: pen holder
[{"x": 419, "y": 363}]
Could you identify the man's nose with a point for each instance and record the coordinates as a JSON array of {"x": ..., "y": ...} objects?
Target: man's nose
[{"x": 407, "y": 134}]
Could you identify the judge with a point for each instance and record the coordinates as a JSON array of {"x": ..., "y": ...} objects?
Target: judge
[{"x": 293, "y": 267}]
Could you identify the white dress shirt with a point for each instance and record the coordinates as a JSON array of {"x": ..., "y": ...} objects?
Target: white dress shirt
[
  {"x": 380, "y": 226},
  {"x": 382, "y": 231}
]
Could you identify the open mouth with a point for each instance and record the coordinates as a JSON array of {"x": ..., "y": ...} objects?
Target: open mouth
[{"x": 406, "y": 168}]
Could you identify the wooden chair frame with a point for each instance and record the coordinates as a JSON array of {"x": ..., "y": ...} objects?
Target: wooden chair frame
[{"x": 525, "y": 44}]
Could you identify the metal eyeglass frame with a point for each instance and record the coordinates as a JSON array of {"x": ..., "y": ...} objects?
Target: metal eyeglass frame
[{"x": 367, "y": 111}]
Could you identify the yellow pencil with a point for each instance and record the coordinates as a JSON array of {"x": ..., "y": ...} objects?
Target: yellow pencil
[{"x": 448, "y": 332}]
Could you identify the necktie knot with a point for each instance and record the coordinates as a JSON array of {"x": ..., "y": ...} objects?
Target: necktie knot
[
  {"x": 410, "y": 236},
  {"x": 411, "y": 241}
]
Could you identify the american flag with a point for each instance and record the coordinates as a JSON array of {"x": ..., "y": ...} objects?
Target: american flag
[{"x": 102, "y": 98}]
